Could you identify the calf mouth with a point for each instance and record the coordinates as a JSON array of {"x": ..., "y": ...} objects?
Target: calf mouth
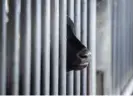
[{"x": 83, "y": 60}]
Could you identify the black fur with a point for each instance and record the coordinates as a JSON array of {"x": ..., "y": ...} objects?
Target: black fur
[{"x": 77, "y": 54}]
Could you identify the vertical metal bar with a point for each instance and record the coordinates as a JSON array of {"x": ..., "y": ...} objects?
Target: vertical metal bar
[
  {"x": 7, "y": 9},
  {"x": 123, "y": 40},
  {"x": 112, "y": 29},
  {"x": 54, "y": 46},
  {"x": 114, "y": 35},
  {"x": 70, "y": 75},
  {"x": 92, "y": 26},
  {"x": 120, "y": 43},
  {"x": 26, "y": 45},
  {"x": 131, "y": 38},
  {"x": 126, "y": 44},
  {"x": 70, "y": 8},
  {"x": 77, "y": 11},
  {"x": 121, "y": 29},
  {"x": 124, "y": 12},
  {"x": 16, "y": 47},
  {"x": 46, "y": 45},
  {"x": 62, "y": 34},
  {"x": 109, "y": 6},
  {"x": 88, "y": 44},
  {"x": 113, "y": 43},
  {"x": 14, "y": 24},
  {"x": 118, "y": 47},
  {"x": 84, "y": 40},
  {"x": 37, "y": 44},
  {"x": 121, "y": 49},
  {"x": 130, "y": 74},
  {"x": 3, "y": 47},
  {"x": 128, "y": 39}
]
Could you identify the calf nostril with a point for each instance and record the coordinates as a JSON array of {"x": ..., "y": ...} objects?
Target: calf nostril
[{"x": 83, "y": 55}]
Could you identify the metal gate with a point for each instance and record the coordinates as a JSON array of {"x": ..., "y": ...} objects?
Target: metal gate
[
  {"x": 36, "y": 27},
  {"x": 122, "y": 47}
]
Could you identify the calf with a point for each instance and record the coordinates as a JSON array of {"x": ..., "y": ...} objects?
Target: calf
[{"x": 77, "y": 54}]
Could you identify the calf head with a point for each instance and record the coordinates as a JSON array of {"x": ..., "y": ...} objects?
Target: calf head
[{"x": 78, "y": 55}]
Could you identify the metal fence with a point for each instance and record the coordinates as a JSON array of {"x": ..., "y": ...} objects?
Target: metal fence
[
  {"x": 31, "y": 22},
  {"x": 122, "y": 47}
]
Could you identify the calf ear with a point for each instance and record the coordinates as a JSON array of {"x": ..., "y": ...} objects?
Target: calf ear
[{"x": 71, "y": 38}]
